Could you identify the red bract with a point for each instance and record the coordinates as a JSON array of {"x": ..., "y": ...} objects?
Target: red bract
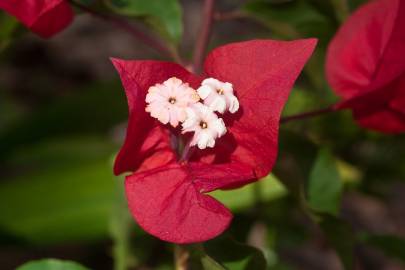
[
  {"x": 167, "y": 198},
  {"x": 43, "y": 17},
  {"x": 366, "y": 65}
]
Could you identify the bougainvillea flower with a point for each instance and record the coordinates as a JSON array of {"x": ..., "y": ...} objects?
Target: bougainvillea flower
[
  {"x": 366, "y": 65},
  {"x": 167, "y": 195},
  {"x": 43, "y": 17}
]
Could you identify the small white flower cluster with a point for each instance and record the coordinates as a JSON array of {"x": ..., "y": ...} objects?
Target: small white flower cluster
[{"x": 176, "y": 102}]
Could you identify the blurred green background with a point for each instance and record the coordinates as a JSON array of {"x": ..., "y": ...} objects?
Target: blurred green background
[{"x": 334, "y": 200}]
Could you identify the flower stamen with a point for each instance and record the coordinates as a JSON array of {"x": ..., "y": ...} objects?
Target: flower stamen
[
  {"x": 203, "y": 125},
  {"x": 172, "y": 100}
]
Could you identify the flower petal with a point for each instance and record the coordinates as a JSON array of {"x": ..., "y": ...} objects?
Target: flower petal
[
  {"x": 146, "y": 143},
  {"x": 381, "y": 110},
  {"x": 168, "y": 202},
  {"x": 368, "y": 50},
  {"x": 262, "y": 73},
  {"x": 45, "y": 18}
]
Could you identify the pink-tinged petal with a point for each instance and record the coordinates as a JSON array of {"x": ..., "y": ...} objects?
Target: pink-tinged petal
[
  {"x": 369, "y": 49},
  {"x": 262, "y": 73},
  {"x": 43, "y": 17},
  {"x": 147, "y": 144},
  {"x": 168, "y": 203}
]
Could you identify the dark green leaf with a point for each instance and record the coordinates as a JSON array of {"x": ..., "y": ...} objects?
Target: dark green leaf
[
  {"x": 51, "y": 264},
  {"x": 325, "y": 186},
  {"x": 230, "y": 254},
  {"x": 164, "y": 15}
]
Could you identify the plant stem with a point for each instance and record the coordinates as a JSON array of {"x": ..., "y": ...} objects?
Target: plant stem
[
  {"x": 230, "y": 15},
  {"x": 308, "y": 114},
  {"x": 120, "y": 230},
  {"x": 137, "y": 33},
  {"x": 204, "y": 36},
  {"x": 181, "y": 256},
  {"x": 187, "y": 152}
]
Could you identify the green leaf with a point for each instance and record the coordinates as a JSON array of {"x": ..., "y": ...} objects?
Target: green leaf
[
  {"x": 209, "y": 263},
  {"x": 164, "y": 15},
  {"x": 242, "y": 198},
  {"x": 391, "y": 245},
  {"x": 229, "y": 254},
  {"x": 61, "y": 191},
  {"x": 340, "y": 235},
  {"x": 51, "y": 264},
  {"x": 325, "y": 186}
]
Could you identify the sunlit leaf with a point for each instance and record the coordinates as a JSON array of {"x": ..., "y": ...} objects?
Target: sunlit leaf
[{"x": 269, "y": 188}]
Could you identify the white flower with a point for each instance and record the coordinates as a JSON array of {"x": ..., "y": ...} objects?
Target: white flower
[
  {"x": 218, "y": 95},
  {"x": 205, "y": 124},
  {"x": 167, "y": 102}
]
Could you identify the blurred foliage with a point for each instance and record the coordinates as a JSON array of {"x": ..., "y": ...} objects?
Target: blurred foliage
[
  {"x": 265, "y": 190},
  {"x": 228, "y": 254},
  {"x": 389, "y": 244},
  {"x": 164, "y": 15},
  {"x": 69, "y": 195},
  {"x": 8, "y": 28},
  {"x": 51, "y": 264},
  {"x": 58, "y": 137}
]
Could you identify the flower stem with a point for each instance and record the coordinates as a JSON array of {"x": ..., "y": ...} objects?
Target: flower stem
[
  {"x": 181, "y": 256},
  {"x": 187, "y": 152},
  {"x": 230, "y": 15},
  {"x": 137, "y": 33},
  {"x": 120, "y": 230},
  {"x": 204, "y": 36},
  {"x": 308, "y": 114}
]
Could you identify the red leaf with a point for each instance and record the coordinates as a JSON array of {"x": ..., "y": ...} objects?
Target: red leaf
[
  {"x": 43, "y": 17},
  {"x": 262, "y": 73},
  {"x": 167, "y": 203},
  {"x": 147, "y": 144},
  {"x": 366, "y": 64}
]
